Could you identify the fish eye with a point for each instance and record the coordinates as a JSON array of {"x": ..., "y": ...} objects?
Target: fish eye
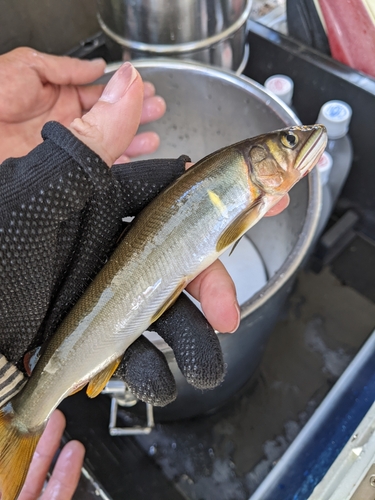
[{"x": 289, "y": 139}]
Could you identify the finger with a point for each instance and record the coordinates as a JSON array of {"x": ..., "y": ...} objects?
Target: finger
[
  {"x": 122, "y": 159},
  {"x": 147, "y": 373},
  {"x": 66, "y": 473},
  {"x": 109, "y": 127},
  {"x": 89, "y": 95},
  {"x": 142, "y": 144},
  {"x": 215, "y": 290},
  {"x": 279, "y": 207},
  {"x": 148, "y": 89},
  {"x": 153, "y": 109},
  {"x": 62, "y": 70},
  {"x": 153, "y": 106},
  {"x": 43, "y": 456},
  {"x": 195, "y": 345}
]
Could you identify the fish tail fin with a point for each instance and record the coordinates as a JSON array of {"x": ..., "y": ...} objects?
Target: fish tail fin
[{"x": 17, "y": 447}]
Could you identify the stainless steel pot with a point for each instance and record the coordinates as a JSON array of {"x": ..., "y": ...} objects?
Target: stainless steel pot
[
  {"x": 208, "y": 108},
  {"x": 209, "y": 31}
]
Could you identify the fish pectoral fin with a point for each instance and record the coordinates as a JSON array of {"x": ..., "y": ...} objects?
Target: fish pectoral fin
[
  {"x": 239, "y": 226},
  {"x": 97, "y": 383},
  {"x": 170, "y": 301},
  {"x": 17, "y": 447}
]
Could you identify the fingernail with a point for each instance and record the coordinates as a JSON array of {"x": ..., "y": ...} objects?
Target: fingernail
[
  {"x": 237, "y": 307},
  {"x": 119, "y": 83}
]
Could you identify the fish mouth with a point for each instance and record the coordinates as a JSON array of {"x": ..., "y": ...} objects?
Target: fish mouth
[{"x": 313, "y": 149}]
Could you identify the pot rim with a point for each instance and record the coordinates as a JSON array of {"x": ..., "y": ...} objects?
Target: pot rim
[{"x": 178, "y": 48}]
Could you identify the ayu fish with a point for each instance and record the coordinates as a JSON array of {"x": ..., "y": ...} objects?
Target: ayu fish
[{"x": 180, "y": 233}]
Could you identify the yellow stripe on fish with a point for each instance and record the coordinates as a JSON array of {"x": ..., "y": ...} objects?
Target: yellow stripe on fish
[{"x": 216, "y": 201}]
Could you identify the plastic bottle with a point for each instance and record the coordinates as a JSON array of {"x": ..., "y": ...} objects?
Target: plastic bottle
[
  {"x": 324, "y": 167},
  {"x": 336, "y": 116},
  {"x": 282, "y": 86}
]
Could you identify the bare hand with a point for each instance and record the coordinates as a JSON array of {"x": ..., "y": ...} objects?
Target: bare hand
[
  {"x": 65, "y": 476},
  {"x": 36, "y": 88}
]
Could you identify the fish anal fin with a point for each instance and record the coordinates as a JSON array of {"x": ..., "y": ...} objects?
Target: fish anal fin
[
  {"x": 16, "y": 452},
  {"x": 238, "y": 227},
  {"x": 100, "y": 380},
  {"x": 170, "y": 301}
]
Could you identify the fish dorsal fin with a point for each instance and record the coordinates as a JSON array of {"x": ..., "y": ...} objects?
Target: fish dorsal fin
[
  {"x": 170, "y": 301},
  {"x": 238, "y": 227},
  {"x": 97, "y": 383}
]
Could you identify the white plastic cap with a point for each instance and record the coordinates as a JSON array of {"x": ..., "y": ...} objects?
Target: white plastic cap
[
  {"x": 282, "y": 86},
  {"x": 336, "y": 116},
  {"x": 324, "y": 167}
]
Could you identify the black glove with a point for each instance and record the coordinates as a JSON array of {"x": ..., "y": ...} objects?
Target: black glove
[{"x": 61, "y": 212}]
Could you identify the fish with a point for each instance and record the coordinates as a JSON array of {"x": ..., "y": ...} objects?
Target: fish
[{"x": 179, "y": 234}]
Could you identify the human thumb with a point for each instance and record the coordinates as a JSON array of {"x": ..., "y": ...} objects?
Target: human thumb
[{"x": 109, "y": 127}]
